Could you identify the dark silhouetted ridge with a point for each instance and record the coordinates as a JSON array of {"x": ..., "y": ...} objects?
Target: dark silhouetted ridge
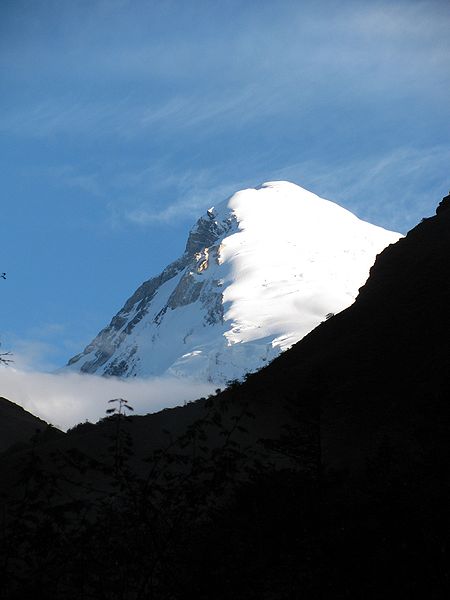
[{"x": 17, "y": 426}]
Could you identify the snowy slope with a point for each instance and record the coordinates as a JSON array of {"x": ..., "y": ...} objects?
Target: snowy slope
[{"x": 259, "y": 272}]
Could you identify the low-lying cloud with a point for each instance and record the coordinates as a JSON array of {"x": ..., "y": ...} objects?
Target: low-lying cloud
[{"x": 70, "y": 398}]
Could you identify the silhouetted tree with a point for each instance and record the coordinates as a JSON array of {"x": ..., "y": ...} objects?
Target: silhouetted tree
[{"x": 4, "y": 360}]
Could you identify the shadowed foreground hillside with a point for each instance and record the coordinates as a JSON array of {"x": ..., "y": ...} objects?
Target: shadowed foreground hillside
[
  {"x": 17, "y": 426},
  {"x": 324, "y": 475}
]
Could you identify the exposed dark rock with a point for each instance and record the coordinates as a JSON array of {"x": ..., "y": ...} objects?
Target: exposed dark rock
[
  {"x": 203, "y": 235},
  {"x": 206, "y": 232},
  {"x": 187, "y": 291}
]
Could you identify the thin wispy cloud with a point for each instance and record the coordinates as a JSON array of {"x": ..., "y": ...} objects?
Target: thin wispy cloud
[
  {"x": 69, "y": 176},
  {"x": 382, "y": 188},
  {"x": 194, "y": 195},
  {"x": 248, "y": 72},
  {"x": 127, "y": 118},
  {"x": 395, "y": 189}
]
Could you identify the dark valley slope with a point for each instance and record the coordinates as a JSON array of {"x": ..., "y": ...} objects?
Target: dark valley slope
[{"x": 18, "y": 426}]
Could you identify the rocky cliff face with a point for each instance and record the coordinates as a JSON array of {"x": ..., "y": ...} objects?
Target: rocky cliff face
[
  {"x": 259, "y": 272},
  {"x": 179, "y": 285}
]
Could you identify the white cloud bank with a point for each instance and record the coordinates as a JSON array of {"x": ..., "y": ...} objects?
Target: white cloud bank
[{"x": 67, "y": 399}]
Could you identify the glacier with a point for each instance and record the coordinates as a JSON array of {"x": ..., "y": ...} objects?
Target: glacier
[{"x": 260, "y": 270}]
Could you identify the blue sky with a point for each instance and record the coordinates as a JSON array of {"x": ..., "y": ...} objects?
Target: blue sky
[{"x": 122, "y": 121}]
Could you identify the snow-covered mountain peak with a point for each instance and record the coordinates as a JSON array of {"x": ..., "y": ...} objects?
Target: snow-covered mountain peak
[{"x": 259, "y": 271}]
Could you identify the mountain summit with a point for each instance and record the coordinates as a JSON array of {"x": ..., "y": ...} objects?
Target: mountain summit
[{"x": 260, "y": 271}]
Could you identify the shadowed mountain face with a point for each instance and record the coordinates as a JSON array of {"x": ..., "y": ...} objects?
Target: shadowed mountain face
[
  {"x": 380, "y": 370},
  {"x": 17, "y": 426},
  {"x": 337, "y": 478}
]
